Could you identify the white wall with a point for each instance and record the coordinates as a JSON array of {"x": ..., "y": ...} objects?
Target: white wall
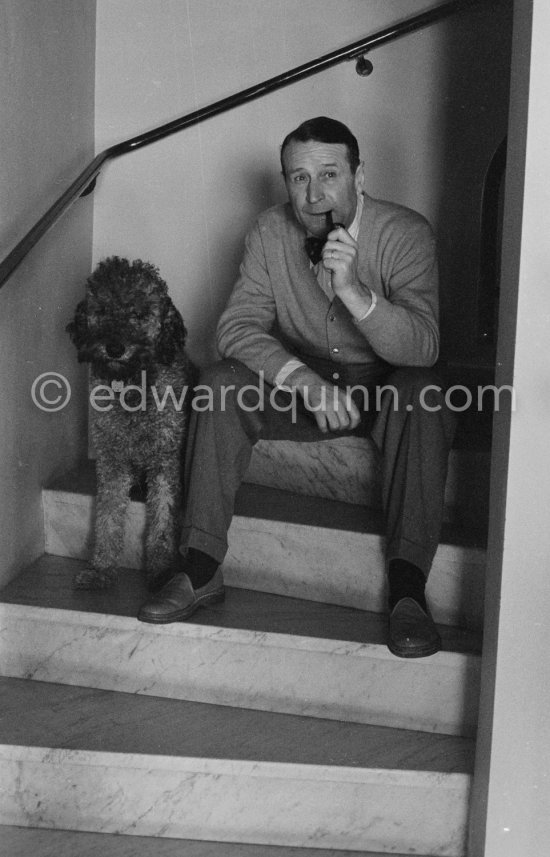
[
  {"x": 46, "y": 138},
  {"x": 427, "y": 120}
]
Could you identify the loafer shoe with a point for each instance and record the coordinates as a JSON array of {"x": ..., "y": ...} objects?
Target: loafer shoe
[
  {"x": 178, "y": 600},
  {"x": 412, "y": 633}
]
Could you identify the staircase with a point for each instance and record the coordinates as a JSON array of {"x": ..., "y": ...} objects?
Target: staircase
[{"x": 276, "y": 724}]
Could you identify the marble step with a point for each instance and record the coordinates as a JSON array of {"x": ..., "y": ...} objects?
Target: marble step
[
  {"x": 347, "y": 469},
  {"x": 279, "y": 542},
  {"x": 103, "y": 761},
  {"x": 24, "y": 841},
  {"x": 257, "y": 651}
]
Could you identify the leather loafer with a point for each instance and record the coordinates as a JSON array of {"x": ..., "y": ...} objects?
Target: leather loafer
[
  {"x": 178, "y": 600},
  {"x": 412, "y": 633}
]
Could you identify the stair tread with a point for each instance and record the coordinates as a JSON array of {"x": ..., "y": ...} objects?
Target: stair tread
[
  {"x": 39, "y": 714},
  {"x": 48, "y": 583},
  {"x": 41, "y": 842},
  {"x": 258, "y": 501}
]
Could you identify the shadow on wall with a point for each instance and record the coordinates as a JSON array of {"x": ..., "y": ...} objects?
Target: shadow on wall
[{"x": 477, "y": 90}]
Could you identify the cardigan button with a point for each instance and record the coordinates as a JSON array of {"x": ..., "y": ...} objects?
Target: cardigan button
[{"x": 335, "y": 350}]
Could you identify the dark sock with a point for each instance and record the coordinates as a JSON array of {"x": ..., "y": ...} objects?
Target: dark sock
[
  {"x": 406, "y": 581},
  {"x": 199, "y": 567}
]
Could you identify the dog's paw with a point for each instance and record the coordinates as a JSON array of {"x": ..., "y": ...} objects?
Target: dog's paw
[{"x": 95, "y": 578}]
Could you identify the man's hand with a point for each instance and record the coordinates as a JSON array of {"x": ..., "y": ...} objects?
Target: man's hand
[
  {"x": 332, "y": 408},
  {"x": 340, "y": 256}
]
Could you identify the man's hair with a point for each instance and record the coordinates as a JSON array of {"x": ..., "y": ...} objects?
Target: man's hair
[{"x": 324, "y": 130}]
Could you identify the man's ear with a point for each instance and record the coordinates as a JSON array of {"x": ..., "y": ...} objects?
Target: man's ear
[{"x": 360, "y": 177}]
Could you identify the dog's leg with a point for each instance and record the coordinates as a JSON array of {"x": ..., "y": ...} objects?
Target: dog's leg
[
  {"x": 113, "y": 495},
  {"x": 163, "y": 522}
]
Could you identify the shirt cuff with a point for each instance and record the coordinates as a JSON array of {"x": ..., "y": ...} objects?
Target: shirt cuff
[
  {"x": 374, "y": 301},
  {"x": 285, "y": 371}
]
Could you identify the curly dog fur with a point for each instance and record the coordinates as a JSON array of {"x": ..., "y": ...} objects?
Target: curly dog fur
[{"x": 130, "y": 333}]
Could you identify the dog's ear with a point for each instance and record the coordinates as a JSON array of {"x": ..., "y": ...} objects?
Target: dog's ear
[
  {"x": 78, "y": 327},
  {"x": 172, "y": 334}
]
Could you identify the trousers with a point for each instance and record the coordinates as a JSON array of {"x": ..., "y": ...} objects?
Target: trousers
[{"x": 403, "y": 410}]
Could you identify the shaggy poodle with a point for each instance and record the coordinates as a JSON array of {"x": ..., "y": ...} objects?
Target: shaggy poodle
[{"x": 130, "y": 333}]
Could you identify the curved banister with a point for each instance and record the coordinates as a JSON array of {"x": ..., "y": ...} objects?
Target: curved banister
[{"x": 86, "y": 180}]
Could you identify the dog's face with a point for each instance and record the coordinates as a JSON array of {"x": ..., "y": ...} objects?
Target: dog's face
[{"x": 127, "y": 323}]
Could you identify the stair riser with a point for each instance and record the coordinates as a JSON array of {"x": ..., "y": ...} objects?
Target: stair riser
[
  {"x": 270, "y": 672},
  {"x": 347, "y": 469},
  {"x": 22, "y": 841},
  {"x": 301, "y": 561},
  {"x": 347, "y": 568},
  {"x": 229, "y": 801}
]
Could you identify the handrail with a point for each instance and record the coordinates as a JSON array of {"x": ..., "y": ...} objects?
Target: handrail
[{"x": 85, "y": 182}]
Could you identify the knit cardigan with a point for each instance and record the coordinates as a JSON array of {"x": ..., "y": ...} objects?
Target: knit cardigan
[{"x": 277, "y": 309}]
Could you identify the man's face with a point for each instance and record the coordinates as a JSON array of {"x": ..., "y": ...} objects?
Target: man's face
[{"x": 318, "y": 179}]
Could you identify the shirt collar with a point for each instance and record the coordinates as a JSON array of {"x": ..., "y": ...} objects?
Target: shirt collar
[{"x": 354, "y": 228}]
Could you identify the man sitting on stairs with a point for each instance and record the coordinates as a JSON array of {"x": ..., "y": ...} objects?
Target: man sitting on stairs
[{"x": 330, "y": 330}]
